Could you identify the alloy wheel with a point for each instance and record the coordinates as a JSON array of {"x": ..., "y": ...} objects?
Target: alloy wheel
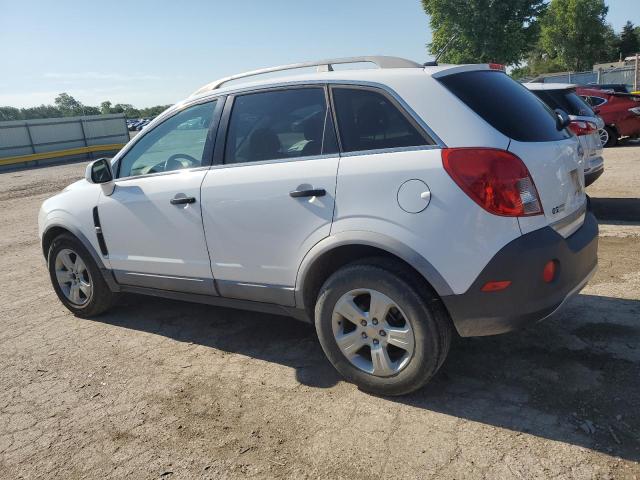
[
  {"x": 73, "y": 277},
  {"x": 604, "y": 136},
  {"x": 373, "y": 332}
]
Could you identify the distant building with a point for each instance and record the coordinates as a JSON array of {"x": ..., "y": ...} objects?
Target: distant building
[{"x": 609, "y": 65}]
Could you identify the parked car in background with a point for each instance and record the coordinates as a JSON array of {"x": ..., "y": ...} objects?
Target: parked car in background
[
  {"x": 584, "y": 122},
  {"x": 616, "y": 87},
  {"x": 620, "y": 112},
  {"x": 345, "y": 198},
  {"x": 143, "y": 124}
]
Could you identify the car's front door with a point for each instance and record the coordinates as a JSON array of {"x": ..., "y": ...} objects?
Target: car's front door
[
  {"x": 152, "y": 222},
  {"x": 272, "y": 198}
]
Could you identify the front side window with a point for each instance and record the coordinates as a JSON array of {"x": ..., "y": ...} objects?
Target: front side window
[
  {"x": 177, "y": 143},
  {"x": 279, "y": 124},
  {"x": 368, "y": 120}
]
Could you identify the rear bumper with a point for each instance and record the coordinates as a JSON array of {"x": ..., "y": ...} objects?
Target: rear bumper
[
  {"x": 528, "y": 299},
  {"x": 593, "y": 173}
]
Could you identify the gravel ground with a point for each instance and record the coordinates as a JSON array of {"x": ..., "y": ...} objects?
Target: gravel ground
[{"x": 164, "y": 389}]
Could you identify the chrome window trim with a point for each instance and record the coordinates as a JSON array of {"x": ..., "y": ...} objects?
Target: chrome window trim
[
  {"x": 378, "y": 151},
  {"x": 157, "y": 174},
  {"x": 275, "y": 160}
]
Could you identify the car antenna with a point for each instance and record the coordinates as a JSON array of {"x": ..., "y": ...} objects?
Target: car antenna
[{"x": 434, "y": 62}]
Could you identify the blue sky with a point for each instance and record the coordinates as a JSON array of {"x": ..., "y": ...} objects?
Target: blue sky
[{"x": 148, "y": 52}]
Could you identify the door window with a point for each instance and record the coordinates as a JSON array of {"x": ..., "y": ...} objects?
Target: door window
[
  {"x": 279, "y": 124},
  {"x": 177, "y": 143},
  {"x": 368, "y": 120}
]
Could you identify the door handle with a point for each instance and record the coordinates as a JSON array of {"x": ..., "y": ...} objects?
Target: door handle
[
  {"x": 314, "y": 192},
  {"x": 182, "y": 200}
]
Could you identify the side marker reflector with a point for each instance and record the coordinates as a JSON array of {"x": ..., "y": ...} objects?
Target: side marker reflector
[
  {"x": 495, "y": 286},
  {"x": 549, "y": 271}
]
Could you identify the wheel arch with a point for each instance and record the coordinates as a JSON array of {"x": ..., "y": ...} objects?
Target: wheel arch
[
  {"x": 335, "y": 251},
  {"x": 54, "y": 230}
]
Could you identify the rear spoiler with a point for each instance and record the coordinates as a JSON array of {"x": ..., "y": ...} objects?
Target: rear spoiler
[{"x": 469, "y": 68}]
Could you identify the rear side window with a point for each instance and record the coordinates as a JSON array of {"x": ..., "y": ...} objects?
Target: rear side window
[
  {"x": 567, "y": 100},
  {"x": 506, "y": 105},
  {"x": 279, "y": 124},
  {"x": 594, "y": 101},
  {"x": 368, "y": 120}
]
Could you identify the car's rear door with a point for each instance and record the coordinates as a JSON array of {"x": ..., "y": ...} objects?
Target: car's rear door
[
  {"x": 152, "y": 222},
  {"x": 271, "y": 197}
]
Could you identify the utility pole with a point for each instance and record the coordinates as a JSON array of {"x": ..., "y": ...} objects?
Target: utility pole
[{"x": 635, "y": 77}]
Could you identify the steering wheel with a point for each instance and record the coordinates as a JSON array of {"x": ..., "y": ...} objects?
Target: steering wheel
[{"x": 172, "y": 163}]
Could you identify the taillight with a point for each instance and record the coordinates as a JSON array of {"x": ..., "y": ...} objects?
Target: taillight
[
  {"x": 580, "y": 127},
  {"x": 497, "y": 66},
  {"x": 495, "y": 179}
]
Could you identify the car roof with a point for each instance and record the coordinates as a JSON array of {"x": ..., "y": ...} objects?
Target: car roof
[
  {"x": 550, "y": 86},
  {"x": 373, "y": 75}
]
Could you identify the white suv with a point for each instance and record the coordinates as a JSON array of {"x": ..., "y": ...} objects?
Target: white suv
[{"x": 391, "y": 207}]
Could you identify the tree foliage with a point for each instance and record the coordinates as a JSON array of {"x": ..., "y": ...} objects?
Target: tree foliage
[
  {"x": 485, "y": 30},
  {"x": 573, "y": 33},
  {"x": 66, "y": 106},
  {"x": 629, "y": 41}
]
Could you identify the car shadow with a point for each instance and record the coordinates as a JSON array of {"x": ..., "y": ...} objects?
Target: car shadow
[
  {"x": 617, "y": 209},
  {"x": 572, "y": 379}
]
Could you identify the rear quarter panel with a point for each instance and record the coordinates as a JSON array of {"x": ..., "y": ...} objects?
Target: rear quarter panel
[{"x": 455, "y": 235}]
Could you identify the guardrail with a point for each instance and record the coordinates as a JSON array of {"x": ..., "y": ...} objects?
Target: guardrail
[{"x": 54, "y": 140}]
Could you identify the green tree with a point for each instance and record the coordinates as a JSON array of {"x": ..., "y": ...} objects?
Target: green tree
[
  {"x": 10, "y": 113},
  {"x": 105, "y": 107},
  {"x": 68, "y": 105},
  {"x": 573, "y": 33},
  {"x": 629, "y": 42},
  {"x": 497, "y": 31}
]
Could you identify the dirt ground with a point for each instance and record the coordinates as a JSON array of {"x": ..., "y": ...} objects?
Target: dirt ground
[{"x": 164, "y": 389}]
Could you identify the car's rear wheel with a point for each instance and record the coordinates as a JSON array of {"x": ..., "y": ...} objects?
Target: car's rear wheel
[
  {"x": 608, "y": 137},
  {"x": 77, "y": 279},
  {"x": 380, "y": 331}
]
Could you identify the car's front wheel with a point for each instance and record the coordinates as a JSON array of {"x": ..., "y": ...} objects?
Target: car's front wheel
[
  {"x": 380, "y": 330},
  {"x": 77, "y": 279}
]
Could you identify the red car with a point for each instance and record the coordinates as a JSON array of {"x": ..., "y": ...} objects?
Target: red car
[{"x": 620, "y": 112}]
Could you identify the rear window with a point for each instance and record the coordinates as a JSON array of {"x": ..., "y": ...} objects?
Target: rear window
[
  {"x": 506, "y": 105},
  {"x": 567, "y": 100}
]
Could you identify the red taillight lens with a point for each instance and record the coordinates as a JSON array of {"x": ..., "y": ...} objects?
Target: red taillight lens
[
  {"x": 497, "y": 66},
  {"x": 580, "y": 127},
  {"x": 496, "y": 180}
]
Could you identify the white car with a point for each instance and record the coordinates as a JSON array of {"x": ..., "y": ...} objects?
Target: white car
[
  {"x": 391, "y": 207},
  {"x": 585, "y": 124}
]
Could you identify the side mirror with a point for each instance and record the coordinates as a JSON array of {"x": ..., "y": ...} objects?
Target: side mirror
[
  {"x": 99, "y": 171},
  {"x": 563, "y": 119}
]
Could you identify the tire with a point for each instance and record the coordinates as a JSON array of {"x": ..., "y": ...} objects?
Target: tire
[
  {"x": 417, "y": 307},
  {"x": 612, "y": 137},
  {"x": 65, "y": 250}
]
